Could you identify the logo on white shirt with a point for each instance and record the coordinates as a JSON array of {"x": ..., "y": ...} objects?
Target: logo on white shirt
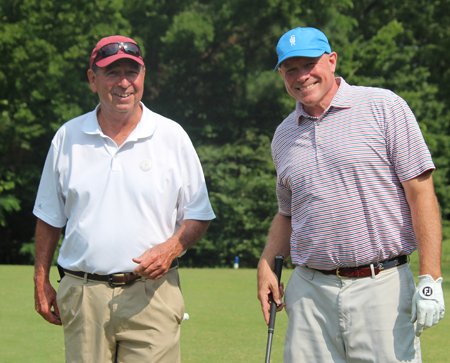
[{"x": 145, "y": 165}]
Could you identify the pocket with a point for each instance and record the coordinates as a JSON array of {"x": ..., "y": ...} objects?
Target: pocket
[
  {"x": 61, "y": 296},
  {"x": 288, "y": 293},
  {"x": 167, "y": 293},
  {"x": 178, "y": 299},
  {"x": 68, "y": 298},
  {"x": 407, "y": 287}
]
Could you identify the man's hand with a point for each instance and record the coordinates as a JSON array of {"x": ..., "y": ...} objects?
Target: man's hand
[
  {"x": 277, "y": 244},
  {"x": 45, "y": 301},
  {"x": 47, "y": 238},
  {"x": 268, "y": 284},
  {"x": 155, "y": 262},
  {"x": 428, "y": 305}
]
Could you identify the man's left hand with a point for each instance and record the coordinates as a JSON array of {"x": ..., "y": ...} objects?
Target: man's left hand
[
  {"x": 155, "y": 262},
  {"x": 428, "y": 305}
]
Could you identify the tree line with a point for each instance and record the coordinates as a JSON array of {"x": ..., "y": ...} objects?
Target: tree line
[{"x": 210, "y": 68}]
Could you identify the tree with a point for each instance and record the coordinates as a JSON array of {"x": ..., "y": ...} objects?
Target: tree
[
  {"x": 402, "y": 46},
  {"x": 215, "y": 76},
  {"x": 210, "y": 68},
  {"x": 43, "y": 83}
]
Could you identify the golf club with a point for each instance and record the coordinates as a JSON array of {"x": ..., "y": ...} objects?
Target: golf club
[{"x": 273, "y": 307}]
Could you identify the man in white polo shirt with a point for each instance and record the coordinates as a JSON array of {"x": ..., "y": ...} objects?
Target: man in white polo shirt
[
  {"x": 128, "y": 186},
  {"x": 356, "y": 197}
]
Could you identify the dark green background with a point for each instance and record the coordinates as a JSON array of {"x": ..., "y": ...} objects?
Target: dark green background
[{"x": 209, "y": 67}]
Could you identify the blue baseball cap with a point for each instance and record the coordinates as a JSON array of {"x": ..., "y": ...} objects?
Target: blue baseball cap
[{"x": 302, "y": 42}]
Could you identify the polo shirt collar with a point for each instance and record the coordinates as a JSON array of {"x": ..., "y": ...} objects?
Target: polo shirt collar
[
  {"x": 145, "y": 128},
  {"x": 342, "y": 99}
]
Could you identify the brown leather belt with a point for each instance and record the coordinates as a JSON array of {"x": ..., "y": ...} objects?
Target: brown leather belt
[
  {"x": 366, "y": 270},
  {"x": 114, "y": 280}
]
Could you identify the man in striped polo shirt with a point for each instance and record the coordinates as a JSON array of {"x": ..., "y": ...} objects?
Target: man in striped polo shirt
[{"x": 356, "y": 197}]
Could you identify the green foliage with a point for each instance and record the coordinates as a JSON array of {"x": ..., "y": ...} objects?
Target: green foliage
[
  {"x": 401, "y": 45},
  {"x": 8, "y": 202},
  {"x": 46, "y": 47},
  {"x": 446, "y": 242},
  {"x": 27, "y": 250},
  {"x": 209, "y": 67},
  {"x": 241, "y": 179}
]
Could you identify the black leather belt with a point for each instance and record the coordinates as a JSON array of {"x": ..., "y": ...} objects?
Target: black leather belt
[
  {"x": 366, "y": 270},
  {"x": 114, "y": 280}
]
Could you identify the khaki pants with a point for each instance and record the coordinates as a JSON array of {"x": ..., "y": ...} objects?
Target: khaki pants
[
  {"x": 134, "y": 323},
  {"x": 354, "y": 320}
]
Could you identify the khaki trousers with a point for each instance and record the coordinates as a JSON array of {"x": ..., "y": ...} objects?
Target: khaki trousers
[
  {"x": 353, "y": 320},
  {"x": 137, "y": 323}
]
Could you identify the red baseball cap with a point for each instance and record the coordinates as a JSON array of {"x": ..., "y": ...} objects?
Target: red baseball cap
[{"x": 103, "y": 62}]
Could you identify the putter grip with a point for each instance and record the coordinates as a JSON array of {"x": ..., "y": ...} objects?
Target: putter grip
[
  {"x": 273, "y": 307},
  {"x": 278, "y": 266}
]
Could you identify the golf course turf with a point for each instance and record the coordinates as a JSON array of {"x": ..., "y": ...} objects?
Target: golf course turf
[{"x": 225, "y": 324}]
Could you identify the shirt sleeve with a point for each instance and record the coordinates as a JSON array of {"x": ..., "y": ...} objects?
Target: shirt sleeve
[
  {"x": 193, "y": 200},
  {"x": 284, "y": 196},
  {"x": 405, "y": 143},
  {"x": 284, "y": 193},
  {"x": 49, "y": 204}
]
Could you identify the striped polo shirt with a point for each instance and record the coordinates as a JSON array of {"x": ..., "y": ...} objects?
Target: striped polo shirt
[{"x": 340, "y": 174}]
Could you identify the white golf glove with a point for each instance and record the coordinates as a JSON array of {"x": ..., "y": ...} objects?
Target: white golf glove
[{"x": 428, "y": 305}]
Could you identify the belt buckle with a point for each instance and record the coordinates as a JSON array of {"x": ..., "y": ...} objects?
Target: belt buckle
[
  {"x": 114, "y": 284},
  {"x": 341, "y": 277}
]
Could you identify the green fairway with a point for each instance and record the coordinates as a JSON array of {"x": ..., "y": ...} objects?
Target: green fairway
[{"x": 225, "y": 324}]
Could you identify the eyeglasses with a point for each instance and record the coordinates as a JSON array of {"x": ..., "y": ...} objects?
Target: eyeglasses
[{"x": 113, "y": 48}]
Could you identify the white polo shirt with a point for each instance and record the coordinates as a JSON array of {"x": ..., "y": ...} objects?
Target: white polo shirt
[{"x": 119, "y": 201}]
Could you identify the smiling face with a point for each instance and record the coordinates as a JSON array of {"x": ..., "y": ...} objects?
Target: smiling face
[
  {"x": 311, "y": 81},
  {"x": 120, "y": 87}
]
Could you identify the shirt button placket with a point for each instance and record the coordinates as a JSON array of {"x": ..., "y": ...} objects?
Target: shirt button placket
[
  {"x": 115, "y": 163},
  {"x": 318, "y": 136}
]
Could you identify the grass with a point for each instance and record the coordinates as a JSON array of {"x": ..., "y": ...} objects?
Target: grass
[{"x": 225, "y": 324}]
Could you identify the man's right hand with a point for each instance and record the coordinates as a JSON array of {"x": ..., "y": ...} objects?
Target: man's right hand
[
  {"x": 46, "y": 240},
  {"x": 268, "y": 284},
  {"x": 45, "y": 302},
  {"x": 277, "y": 244}
]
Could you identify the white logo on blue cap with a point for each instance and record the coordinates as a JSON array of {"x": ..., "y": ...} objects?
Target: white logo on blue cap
[{"x": 292, "y": 40}]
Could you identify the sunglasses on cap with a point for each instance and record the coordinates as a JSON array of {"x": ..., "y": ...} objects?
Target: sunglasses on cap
[{"x": 113, "y": 48}]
